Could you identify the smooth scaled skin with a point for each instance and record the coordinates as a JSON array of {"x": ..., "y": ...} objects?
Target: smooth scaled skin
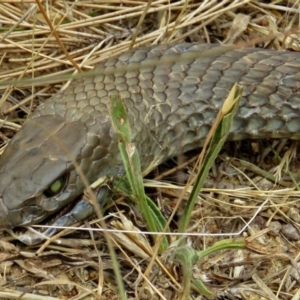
[{"x": 171, "y": 107}]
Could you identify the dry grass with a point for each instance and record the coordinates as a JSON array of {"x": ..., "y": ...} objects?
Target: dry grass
[{"x": 91, "y": 31}]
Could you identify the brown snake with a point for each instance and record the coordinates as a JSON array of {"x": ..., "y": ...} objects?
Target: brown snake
[{"x": 170, "y": 105}]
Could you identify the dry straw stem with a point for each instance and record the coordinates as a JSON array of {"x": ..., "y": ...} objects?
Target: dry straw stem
[{"x": 91, "y": 31}]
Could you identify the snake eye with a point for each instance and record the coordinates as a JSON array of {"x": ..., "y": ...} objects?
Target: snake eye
[{"x": 56, "y": 186}]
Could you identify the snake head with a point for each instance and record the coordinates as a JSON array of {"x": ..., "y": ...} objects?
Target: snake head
[{"x": 38, "y": 169}]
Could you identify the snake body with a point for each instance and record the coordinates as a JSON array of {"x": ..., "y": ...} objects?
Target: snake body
[{"x": 171, "y": 107}]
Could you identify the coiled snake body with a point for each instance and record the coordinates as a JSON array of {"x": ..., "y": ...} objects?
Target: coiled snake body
[{"x": 170, "y": 105}]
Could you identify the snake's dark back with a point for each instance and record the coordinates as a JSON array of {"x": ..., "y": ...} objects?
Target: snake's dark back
[{"x": 171, "y": 107}]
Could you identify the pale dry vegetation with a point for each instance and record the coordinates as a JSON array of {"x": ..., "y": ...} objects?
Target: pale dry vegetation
[{"x": 248, "y": 182}]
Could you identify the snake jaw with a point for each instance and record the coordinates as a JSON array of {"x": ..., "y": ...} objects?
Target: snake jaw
[
  {"x": 31, "y": 165},
  {"x": 20, "y": 216},
  {"x": 4, "y": 217}
]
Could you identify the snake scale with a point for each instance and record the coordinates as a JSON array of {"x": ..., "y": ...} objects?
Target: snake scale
[{"x": 170, "y": 106}]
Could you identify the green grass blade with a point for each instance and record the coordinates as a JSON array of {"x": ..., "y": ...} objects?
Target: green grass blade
[
  {"x": 187, "y": 256},
  {"x": 121, "y": 185},
  {"x": 238, "y": 244},
  {"x": 152, "y": 215},
  {"x": 218, "y": 133}
]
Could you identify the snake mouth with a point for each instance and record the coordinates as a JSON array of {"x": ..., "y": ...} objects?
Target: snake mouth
[
  {"x": 32, "y": 235},
  {"x": 51, "y": 219},
  {"x": 4, "y": 221}
]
